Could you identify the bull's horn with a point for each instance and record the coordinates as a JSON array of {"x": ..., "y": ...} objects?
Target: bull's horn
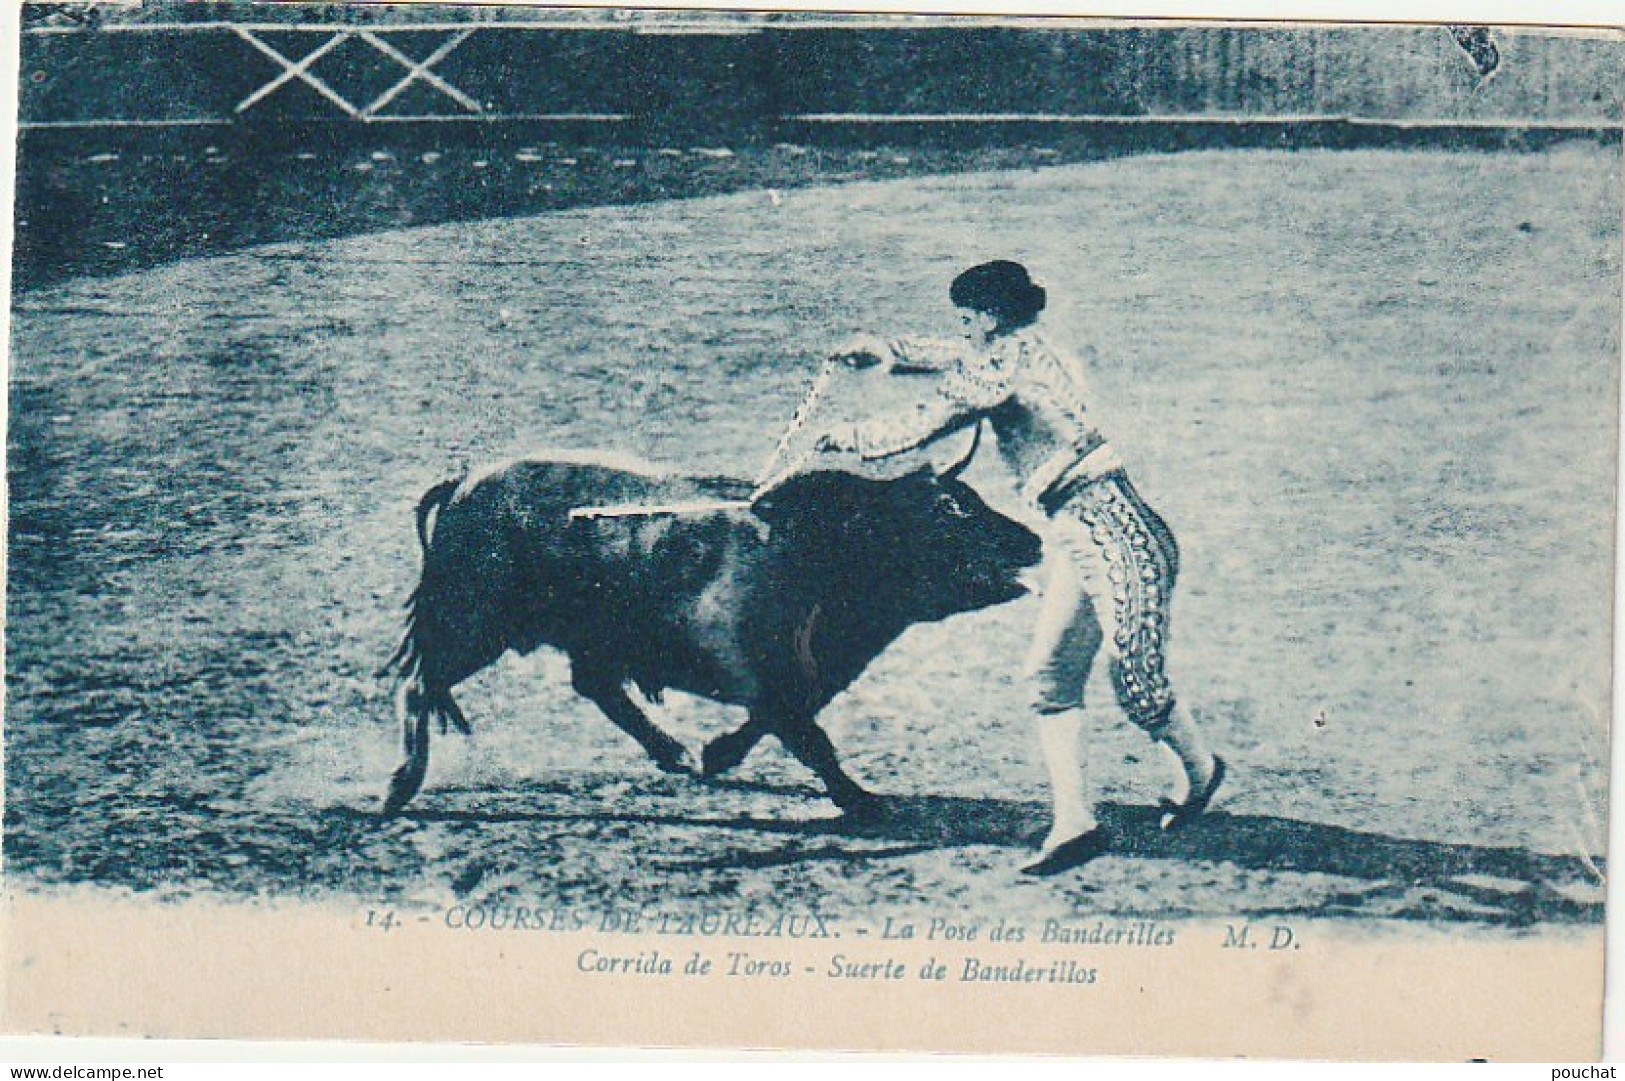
[{"x": 953, "y": 471}]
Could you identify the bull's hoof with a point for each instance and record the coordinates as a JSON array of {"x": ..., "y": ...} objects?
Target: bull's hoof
[
  {"x": 679, "y": 763},
  {"x": 721, "y": 755},
  {"x": 862, "y": 809}
]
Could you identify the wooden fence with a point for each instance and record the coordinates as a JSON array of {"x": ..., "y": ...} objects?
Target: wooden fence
[{"x": 758, "y": 80}]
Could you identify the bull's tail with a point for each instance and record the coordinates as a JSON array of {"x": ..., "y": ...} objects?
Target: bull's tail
[
  {"x": 404, "y": 662},
  {"x": 417, "y": 703},
  {"x": 417, "y": 707},
  {"x": 432, "y": 502}
]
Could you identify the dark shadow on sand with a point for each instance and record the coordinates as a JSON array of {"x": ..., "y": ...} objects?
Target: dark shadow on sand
[{"x": 1523, "y": 892}]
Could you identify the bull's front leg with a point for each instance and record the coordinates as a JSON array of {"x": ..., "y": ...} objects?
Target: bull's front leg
[
  {"x": 729, "y": 749},
  {"x": 803, "y": 738},
  {"x": 607, "y": 691}
]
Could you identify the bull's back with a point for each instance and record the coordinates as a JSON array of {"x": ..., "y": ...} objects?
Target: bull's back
[
  {"x": 626, "y": 583},
  {"x": 544, "y": 490}
]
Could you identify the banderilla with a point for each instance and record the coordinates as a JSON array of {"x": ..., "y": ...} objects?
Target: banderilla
[{"x": 770, "y": 476}]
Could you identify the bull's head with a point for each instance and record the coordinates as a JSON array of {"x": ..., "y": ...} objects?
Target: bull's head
[{"x": 924, "y": 545}]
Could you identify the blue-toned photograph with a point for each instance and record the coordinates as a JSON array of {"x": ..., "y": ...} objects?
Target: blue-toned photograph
[{"x": 474, "y": 460}]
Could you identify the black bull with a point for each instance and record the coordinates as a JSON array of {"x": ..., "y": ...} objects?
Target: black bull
[{"x": 777, "y": 608}]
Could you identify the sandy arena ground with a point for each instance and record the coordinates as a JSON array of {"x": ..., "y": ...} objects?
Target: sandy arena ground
[{"x": 1373, "y": 393}]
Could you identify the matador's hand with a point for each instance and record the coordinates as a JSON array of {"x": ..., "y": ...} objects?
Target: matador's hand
[{"x": 841, "y": 439}]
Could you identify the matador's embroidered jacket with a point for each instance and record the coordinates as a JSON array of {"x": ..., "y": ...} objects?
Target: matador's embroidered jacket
[{"x": 1033, "y": 395}]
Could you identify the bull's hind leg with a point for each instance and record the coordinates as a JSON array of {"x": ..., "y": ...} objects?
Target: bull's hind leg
[
  {"x": 608, "y": 692},
  {"x": 809, "y": 743},
  {"x": 728, "y": 750}
]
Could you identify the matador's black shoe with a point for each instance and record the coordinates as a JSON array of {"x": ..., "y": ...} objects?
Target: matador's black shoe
[
  {"x": 1175, "y": 815},
  {"x": 1069, "y": 854}
]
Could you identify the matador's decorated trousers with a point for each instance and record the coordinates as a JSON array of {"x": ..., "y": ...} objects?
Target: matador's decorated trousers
[{"x": 1111, "y": 566}]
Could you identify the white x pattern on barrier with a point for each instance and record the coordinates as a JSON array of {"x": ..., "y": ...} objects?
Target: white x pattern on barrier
[
  {"x": 296, "y": 70},
  {"x": 416, "y": 71},
  {"x": 300, "y": 70}
]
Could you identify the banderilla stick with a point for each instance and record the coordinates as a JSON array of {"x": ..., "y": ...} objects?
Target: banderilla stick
[{"x": 766, "y": 479}]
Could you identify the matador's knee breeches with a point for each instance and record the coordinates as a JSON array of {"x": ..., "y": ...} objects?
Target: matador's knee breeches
[{"x": 1110, "y": 583}]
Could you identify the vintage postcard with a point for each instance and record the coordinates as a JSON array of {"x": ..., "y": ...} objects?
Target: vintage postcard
[{"x": 797, "y": 530}]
